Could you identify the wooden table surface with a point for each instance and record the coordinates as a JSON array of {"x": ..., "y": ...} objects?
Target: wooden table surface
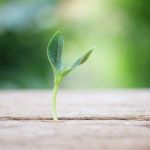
[{"x": 89, "y": 120}]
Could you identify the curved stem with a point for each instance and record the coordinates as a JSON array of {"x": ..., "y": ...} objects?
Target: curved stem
[{"x": 54, "y": 96}]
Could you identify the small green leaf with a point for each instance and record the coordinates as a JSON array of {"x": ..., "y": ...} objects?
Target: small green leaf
[
  {"x": 78, "y": 62},
  {"x": 54, "y": 51}
]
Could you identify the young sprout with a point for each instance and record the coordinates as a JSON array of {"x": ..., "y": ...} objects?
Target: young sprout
[{"x": 54, "y": 54}]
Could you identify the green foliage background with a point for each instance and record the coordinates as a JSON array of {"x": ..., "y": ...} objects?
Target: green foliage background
[{"x": 120, "y": 30}]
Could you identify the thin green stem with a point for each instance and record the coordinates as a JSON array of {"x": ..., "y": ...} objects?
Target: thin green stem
[{"x": 54, "y": 96}]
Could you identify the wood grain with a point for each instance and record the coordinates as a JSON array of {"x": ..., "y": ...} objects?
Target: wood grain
[
  {"x": 70, "y": 134},
  {"x": 97, "y": 120}
]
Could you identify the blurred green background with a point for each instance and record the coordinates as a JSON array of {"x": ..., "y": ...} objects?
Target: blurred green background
[{"x": 119, "y": 29}]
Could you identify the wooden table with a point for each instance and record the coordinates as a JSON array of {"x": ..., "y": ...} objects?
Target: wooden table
[{"x": 89, "y": 120}]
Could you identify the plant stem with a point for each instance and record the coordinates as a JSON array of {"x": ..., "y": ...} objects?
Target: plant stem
[{"x": 54, "y": 95}]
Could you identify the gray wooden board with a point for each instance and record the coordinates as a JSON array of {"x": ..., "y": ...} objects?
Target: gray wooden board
[
  {"x": 112, "y": 119},
  {"x": 75, "y": 135},
  {"x": 123, "y": 104}
]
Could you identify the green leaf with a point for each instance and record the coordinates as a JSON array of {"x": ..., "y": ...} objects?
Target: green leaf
[
  {"x": 78, "y": 62},
  {"x": 54, "y": 51}
]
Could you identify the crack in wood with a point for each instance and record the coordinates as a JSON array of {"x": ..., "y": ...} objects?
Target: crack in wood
[{"x": 127, "y": 117}]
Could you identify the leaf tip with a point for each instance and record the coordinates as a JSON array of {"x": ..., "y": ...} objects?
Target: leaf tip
[
  {"x": 58, "y": 32},
  {"x": 92, "y": 49}
]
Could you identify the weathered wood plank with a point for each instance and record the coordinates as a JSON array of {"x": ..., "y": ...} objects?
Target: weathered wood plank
[
  {"x": 25, "y": 120},
  {"x": 116, "y": 104},
  {"x": 75, "y": 135}
]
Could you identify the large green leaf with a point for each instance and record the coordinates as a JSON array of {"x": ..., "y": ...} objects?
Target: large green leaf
[
  {"x": 54, "y": 51},
  {"x": 78, "y": 62}
]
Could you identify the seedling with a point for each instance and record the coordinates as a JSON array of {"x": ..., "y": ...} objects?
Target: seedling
[{"x": 54, "y": 54}]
